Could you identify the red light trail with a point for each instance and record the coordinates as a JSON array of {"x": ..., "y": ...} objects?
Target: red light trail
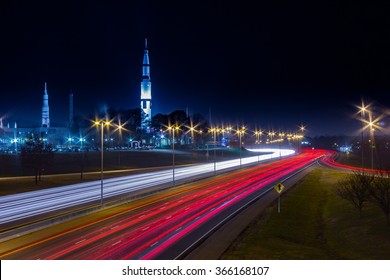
[{"x": 148, "y": 231}]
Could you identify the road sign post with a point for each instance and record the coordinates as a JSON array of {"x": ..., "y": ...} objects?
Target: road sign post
[{"x": 279, "y": 188}]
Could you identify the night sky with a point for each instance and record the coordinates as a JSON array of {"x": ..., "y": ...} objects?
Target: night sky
[{"x": 275, "y": 64}]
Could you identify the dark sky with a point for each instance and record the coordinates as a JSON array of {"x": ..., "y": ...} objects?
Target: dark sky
[{"x": 277, "y": 64}]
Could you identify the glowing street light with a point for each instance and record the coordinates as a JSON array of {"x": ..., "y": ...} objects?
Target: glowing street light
[
  {"x": 119, "y": 127},
  {"x": 372, "y": 140},
  {"x": 362, "y": 111},
  {"x": 81, "y": 141},
  {"x": 214, "y": 131},
  {"x": 271, "y": 134},
  {"x": 192, "y": 130},
  {"x": 258, "y": 134},
  {"x": 70, "y": 140},
  {"x": 281, "y": 139},
  {"x": 101, "y": 123},
  {"x": 302, "y": 129},
  {"x": 240, "y": 133},
  {"x": 173, "y": 128}
]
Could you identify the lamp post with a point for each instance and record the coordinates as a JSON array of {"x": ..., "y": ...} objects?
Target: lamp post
[
  {"x": 362, "y": 111},
  {"x": 82, "y": 140},
  {"x": 258, "y": 134},
  {"x": 271, "y": 134},
  {"x": 119, "y": 128},
  {"x": 240, "y": 132},
  {"x": 172, "y": 128},
  {"x": 70, "y": 139},
  {"x": 281, "y": 135},
  {"x": 214, "y": 131},
  {"x": 371, "y": 125},
  {"x": 302, "y": 129},
  {"x": 192, "y": 130},
  {"x": 102, "y": 124}
]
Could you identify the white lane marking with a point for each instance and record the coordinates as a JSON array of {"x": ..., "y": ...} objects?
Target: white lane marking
[
  {"x": 154, "y": 244},
  {"x": 145, "y": 228}
]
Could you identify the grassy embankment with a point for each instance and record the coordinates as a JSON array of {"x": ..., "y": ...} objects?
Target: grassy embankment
[{"x": 314, "y": 223}]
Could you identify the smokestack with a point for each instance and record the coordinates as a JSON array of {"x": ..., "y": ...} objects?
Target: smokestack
[{"x": 70, "y": 109}]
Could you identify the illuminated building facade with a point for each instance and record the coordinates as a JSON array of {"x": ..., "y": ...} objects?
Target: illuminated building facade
[
  {"x": 146, "y": 92},
  {"x": 45, "y": 109}
]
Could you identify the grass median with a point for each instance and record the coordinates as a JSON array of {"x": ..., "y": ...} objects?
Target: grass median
[{"x": 314, "y": 223}]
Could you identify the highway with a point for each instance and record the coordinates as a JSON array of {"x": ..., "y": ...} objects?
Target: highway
[
  {"x": 330, "y": 161},
  {"x": 30, "y": 204},
  {"x": 151, "y": 227}
]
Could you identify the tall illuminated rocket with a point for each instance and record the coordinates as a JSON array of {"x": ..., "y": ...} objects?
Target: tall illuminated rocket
[
  {"x": 45, "y": 109},
  {"x": 146, "y": 92}
]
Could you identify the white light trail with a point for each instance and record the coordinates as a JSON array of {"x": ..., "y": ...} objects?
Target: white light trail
[{"x": 24, "y": 205}]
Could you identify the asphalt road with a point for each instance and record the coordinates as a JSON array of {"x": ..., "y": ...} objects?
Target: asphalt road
[{"x": 162, "y": 226}]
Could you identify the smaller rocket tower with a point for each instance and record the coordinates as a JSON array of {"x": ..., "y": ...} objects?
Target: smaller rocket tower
[
  {"x": 146, "y": 92},
  {"x": 45, "y": 109}
]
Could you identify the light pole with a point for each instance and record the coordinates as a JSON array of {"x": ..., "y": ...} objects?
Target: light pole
[
  {"x": 258, "y": 134},
  {"x": 173, "y": 151},
  {"x": 271, "y": 134},
  {"x": 302, "y": 129},
  {"x": 281, "y": 135},
  {"x": 119, "y": 128},
  {"x": 240, "y": 132},
  {"x": 214, "y": 131},
  {"x": 371, "y": 125},
  {"x": 362, "y": 111},
  {"x": 192, "y": 130},
  {"x": 102, "y": 124},
  {"x": 70, "y": 139},
  {"x": 82, "y": 140}
]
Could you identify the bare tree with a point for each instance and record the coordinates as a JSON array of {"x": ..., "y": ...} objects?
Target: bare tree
[
  {"x": 380, "y": 194},
  {"x": 355, "y": 188},
  {"x": 35, "y": 154}
]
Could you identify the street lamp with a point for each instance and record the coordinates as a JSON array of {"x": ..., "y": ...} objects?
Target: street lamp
[
  {"x": 281, "y": 139},
  {"x": 192, "y": 130},
  {"x": 363, "y": 110},
  {"x": 119, "y": 128},
  {"x": 258, "y": 134},
  {"x": 302, "y": 129},
  {"x": 371, "y": 126},
  {"x": 173, "y": 128},
  {"x": 102, "y": 124},
  {"x": 214, "y": 131},
  {"x": 70, "y": 139},
  {"x": 271, "y": 134},
  {"x": 240, "y": 132},
  {"x": 82, "y": 140}
]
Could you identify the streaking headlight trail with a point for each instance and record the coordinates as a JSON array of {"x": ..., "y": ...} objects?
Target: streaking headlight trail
[{"x": 24, "y": 205}]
